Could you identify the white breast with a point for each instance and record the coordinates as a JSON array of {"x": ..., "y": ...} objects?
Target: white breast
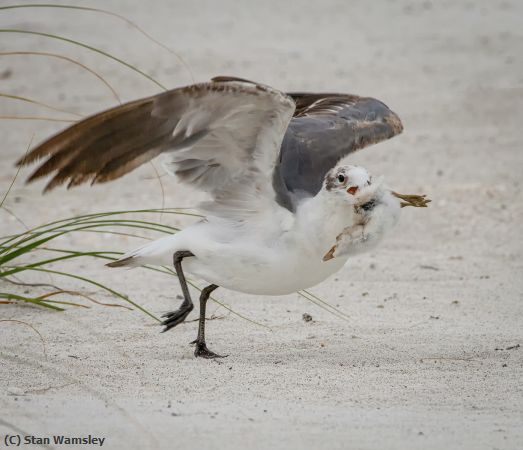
[
  {"x": 275, "y": 260},
  {"x": 273, "y": 256}
]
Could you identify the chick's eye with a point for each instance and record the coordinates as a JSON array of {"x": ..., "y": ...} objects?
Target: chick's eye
[{"x": 341, "y": 178}]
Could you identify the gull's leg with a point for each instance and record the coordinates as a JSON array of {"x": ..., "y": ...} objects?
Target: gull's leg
[
  {"x": 176, "y": 317},
  {"x": 201, "y": 348}
]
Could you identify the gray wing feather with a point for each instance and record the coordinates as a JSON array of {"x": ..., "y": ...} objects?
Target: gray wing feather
[{"x": 325, "y": 129}]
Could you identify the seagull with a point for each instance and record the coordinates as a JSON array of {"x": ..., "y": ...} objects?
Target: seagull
[{"x": 285, "y": 209}]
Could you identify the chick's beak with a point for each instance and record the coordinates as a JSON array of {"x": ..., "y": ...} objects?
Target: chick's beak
[{"x": 352, "y": 190}]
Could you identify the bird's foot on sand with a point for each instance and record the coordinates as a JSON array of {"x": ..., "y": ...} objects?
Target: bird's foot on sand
[
  {"x": 174, "y": 318},
  {"x": 201, "y": 351},
  {"x": 418, "y": 201}
]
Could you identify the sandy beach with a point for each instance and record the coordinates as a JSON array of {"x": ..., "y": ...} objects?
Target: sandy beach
[{"x": 430, "y": 355}]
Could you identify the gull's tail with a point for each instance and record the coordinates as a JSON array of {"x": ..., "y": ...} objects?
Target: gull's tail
[
  {"x": 159, "y": 252},
  {"x": 128, "y": 261}
]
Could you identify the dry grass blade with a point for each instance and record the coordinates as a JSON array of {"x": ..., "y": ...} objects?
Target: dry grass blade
[
  {"x": 308, "y": 295},
  {"x": 159, "y": 178},
  {"x": 16, "y": 174},
  {"x": 19, "y": 282},
  {"x": 71, "y": 60},
  {"x": 169, "y": 271},
  {"x": 100, "y": 285},
  {"x": 81, "y": 44},
  {"x": 241, "y": 316},
  {"x": 34, "y": 329},
  {"x": 109, "y": 13},
  {"x": 38, "y": 103},
  {"x": 87, "y": 297},
  {"x": 324, "y": 305},
  {"x": 13, "y": 215},
  {"x": 48, "y": 119}
]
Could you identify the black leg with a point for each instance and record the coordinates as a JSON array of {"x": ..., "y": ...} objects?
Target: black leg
[
  {"x": 176, "y": 317},
  {"x": 201, "y": 347}
]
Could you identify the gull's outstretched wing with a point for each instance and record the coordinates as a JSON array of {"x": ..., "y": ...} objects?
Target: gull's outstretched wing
[
  {"x": 221, "y": 137},
  {"x": 325, "y": 129}
]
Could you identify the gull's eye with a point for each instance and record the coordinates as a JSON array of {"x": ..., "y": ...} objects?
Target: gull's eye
[{"x": 341, "y": 178}]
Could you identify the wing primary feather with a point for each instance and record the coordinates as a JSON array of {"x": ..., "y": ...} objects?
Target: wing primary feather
[{"x": 90, "y": 128}]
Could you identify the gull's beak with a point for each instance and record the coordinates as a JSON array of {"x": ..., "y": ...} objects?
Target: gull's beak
[{"x": 352, "y": 190}]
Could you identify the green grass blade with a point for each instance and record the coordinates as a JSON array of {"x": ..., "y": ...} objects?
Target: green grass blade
[
  {"x": 118, "y": 233},
  {"x": 36, "y": 301},
  {"x": 175, "y": 211},
  {"x": 27, "y": 248},
  {"x": 32, "y": 245},
  {"x": 22, "y": 268},
  {"x": 124, "y": 222}
]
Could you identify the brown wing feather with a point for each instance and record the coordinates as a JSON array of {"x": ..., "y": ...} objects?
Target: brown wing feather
[
  {"x": 183, "y": 121},
  {"x": 72, "y": 153},
  {"x": 102, "y": 123}
]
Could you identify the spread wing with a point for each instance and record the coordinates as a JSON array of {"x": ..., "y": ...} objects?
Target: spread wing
[
  {"x": 223, "y": 138},
  {"x": 326, "y": 128}
]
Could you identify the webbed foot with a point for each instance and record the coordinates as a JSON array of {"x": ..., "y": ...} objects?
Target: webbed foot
[
  {"x": 174, "y": 318},
  {"x": 201, "y": 351}
]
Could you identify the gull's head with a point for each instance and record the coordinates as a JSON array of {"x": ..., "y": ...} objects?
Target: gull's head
[{"x": 347, "y": 182}]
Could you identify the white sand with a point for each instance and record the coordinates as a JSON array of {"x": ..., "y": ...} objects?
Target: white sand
[{"x": 416, "y": 366}]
